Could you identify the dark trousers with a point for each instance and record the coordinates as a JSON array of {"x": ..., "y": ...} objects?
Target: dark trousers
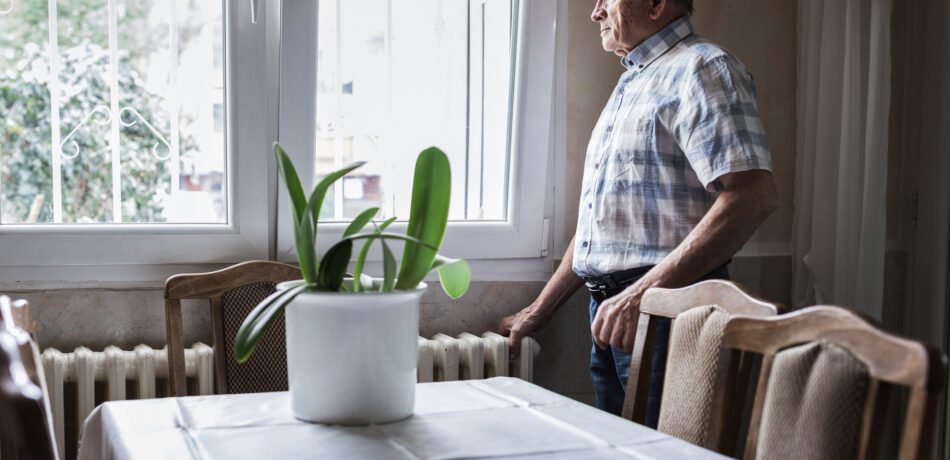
[{"x": 609, "y": 368}]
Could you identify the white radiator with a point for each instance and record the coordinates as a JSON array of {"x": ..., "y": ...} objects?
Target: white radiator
[
  {"x": 114, "y": 367},
  {"x": 442, "y": 358}
]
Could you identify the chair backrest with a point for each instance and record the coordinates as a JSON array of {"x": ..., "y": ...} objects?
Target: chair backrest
[
  {"x": 26, "y": 425},
  {"x": 731, "y": 372},
  {"x": 886, "y": 361},
  {"x": 232, "y": 292}
]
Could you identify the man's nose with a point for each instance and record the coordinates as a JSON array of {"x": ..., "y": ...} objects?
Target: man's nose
[{"x": 599, "y": 13}]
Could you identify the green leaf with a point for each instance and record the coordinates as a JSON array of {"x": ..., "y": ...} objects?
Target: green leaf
[
  {"x": 431, "y": 191},
  {"x": 360, "y": 221},
  {"x": 333, "y": 266},
  {"x": 388, "y": 236},
  {"x": 361, "y": 258},
  {"x": 260, "y": 319},
  {"x": 320, "y": 192},
  {"x": 303, "y": 228},
  {"x": 389, "y": 269},
  {"x": 290, "y": 284},
  {"x": 306, "y": 235},
  {"x": 454, "y": 274},
  {"x": 389, "y": 262},
  {"x": 386, "y": 223},
  {"x": 287, "y": 170},
  {"x": 306, "y": 249}
]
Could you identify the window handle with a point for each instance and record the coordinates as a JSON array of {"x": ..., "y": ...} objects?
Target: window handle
[{"x": 255, "y": 10}]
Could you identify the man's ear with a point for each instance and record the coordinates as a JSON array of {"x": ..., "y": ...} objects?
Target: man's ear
[{"x": 657, "y": 9}]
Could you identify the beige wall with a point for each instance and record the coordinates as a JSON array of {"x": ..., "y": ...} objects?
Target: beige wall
[{"x": 761, "y": 33}]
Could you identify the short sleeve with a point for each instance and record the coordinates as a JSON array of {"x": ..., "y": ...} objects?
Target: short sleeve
[{"x": 718, "y": 125}]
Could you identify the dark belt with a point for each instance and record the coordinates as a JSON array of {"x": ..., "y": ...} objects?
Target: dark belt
[{"x": 603, "y": 286}]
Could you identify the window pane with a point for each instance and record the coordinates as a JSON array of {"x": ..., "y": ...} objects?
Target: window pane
[
  {"x": 110, "y": 110},
  {"x": 395, "y": 77}
]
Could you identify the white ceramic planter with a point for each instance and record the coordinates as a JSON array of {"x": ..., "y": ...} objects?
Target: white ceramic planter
[{"x": 351, "y": 358}]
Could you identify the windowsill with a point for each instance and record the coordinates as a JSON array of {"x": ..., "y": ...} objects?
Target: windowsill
[{"x": 151, "y": 277}]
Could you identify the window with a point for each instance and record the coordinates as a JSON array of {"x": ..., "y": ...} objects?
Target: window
[
  {"x": 121, "y": 139},
  {"x": 396, "y": 77},
  {"x": 391, "y": 78},
  {"x": 135, "y": 135},
  {"x": 109, "y": 113}
]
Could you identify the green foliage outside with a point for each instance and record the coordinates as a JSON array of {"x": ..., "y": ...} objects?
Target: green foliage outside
[{"x": 26, "y": 121}]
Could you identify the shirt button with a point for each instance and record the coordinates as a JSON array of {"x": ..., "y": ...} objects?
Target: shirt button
[
  {"x": 590, "y": 205},
  {"x": 585, "y": 244},
  {"x": 610, "y": 128},
  {"x": 596, "y": 165},
  {"x": 620, "y": 92}
]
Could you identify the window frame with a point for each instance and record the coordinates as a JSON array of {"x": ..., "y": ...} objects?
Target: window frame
[
  {"x": 47, "y": 255},
  {"x": 133, "y": 256},
  {"x": 525, "y": 234}
]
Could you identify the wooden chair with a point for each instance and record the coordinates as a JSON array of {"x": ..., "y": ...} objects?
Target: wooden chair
[
  {"x": 232, "y": 292},
  {"x": 889, "y": 361},
  {"x": 26, "y": 426},
  {"x": 734, "y": 372}
]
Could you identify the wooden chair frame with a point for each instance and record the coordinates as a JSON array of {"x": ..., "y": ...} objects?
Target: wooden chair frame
[
  {"x": 211, "y": 286},
  {"x": 24, "y": 393},
  {"x": 669, "y": 303},
  {"x": 890, "y": 360}
]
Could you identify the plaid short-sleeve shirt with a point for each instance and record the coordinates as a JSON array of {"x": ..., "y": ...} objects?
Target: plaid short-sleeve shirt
[{"x": 682, "y": 115}]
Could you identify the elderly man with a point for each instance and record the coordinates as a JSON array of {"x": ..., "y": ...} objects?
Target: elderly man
[{"x": 677, "y": 177}]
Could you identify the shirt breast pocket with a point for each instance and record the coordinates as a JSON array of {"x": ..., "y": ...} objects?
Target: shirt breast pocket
[{"x": 632, "y": 146}]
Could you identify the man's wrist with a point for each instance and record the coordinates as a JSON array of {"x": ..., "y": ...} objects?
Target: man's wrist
[
  {"x": 540, "y": 308},
  {"x": 636, "y": 289}
]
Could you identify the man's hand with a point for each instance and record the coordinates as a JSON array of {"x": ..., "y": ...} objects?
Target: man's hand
[
  {"x": 519, "y": 325},
  {"x": 616, "y": 321}
]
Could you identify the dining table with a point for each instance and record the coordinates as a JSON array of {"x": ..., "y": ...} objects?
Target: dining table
[{"x": 500, "y": 417}]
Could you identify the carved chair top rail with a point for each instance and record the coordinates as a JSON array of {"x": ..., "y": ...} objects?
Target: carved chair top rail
[
  {"x": 728, "y": 295},
  {"x": 214, "y": 284},
  {"x": 889, "y": 358}
]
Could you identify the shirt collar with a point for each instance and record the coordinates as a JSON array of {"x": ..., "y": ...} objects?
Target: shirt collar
[{"x": 658, "y": 43}]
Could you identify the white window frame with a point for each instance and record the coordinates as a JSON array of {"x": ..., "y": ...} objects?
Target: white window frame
[
  {"x": 524, "y": 235},
  {"x": 271, "y": 98},
  {"x": 95, "y": 255}
]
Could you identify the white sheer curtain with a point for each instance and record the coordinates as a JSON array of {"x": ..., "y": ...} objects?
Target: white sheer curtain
[{"x": 841, "y": 171}]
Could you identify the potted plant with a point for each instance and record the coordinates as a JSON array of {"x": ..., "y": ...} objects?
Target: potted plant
[{"x": 351, "y": 340}]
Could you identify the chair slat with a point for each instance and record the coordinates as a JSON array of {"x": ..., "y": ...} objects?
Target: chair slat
[
  {"x": 872, "y": 420},
  {"x": 635, "y": 403}
]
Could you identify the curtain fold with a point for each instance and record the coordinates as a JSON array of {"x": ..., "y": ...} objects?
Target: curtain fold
[{"x": 839, "y": 230}]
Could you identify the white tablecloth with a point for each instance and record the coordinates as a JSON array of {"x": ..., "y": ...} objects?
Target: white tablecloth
[{"x": 498, "y": 418}]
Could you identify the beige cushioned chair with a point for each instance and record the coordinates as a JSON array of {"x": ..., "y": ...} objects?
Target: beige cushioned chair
[
  {"x": 824, "y": 385},
  {"x": 703, "y": 387}
]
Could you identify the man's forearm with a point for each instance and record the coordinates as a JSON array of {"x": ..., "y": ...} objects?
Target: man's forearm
[
  {"x": 561, "y": 286},
  {"x": 733, "y": 218}
]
